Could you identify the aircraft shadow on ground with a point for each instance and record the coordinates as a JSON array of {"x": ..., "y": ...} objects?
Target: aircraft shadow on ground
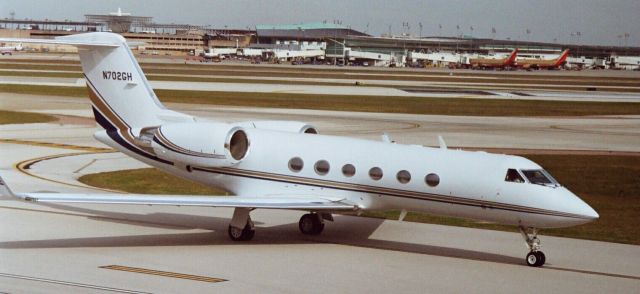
[{"x": 350, "y": 231}]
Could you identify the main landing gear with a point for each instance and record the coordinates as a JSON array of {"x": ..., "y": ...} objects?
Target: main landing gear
[
  {"x": 535, "y": 257},
  {"x": 241, "y": 226},
  {"x": 311, "y": 224}
]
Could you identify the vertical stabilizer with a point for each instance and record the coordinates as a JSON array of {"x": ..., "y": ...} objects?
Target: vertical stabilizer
[
  {"x": 118, "y": 89},
  {"x": 561, "y": 59},
  {"x": 512, "y": 57}
]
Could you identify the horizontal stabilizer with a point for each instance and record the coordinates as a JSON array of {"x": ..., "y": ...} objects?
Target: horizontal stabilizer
[{"x": 5, "y": 192}]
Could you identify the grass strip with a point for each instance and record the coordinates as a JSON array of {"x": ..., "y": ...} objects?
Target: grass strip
[
  {"x": 17, "y": 117},
  {"x": 148, "y": 181}
]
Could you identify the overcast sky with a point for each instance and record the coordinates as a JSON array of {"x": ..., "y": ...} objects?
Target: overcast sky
[{"x": 598, "y": 21}]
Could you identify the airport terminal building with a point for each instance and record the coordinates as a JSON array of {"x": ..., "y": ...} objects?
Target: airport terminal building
[{"x": 341, "y": 44}]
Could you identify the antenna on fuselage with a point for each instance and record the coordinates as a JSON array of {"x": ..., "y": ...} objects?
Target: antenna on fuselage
[
  {"x": 443, "y": 144},
  {"x": 385, "y": 138}
]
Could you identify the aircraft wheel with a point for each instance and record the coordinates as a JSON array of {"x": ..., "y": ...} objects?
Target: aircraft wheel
[
  {"x": 311, "y": 224},
  {"x": 542, "y": 257},
  {"x": 532, "y": 259},
  {"x": 245, "y": 234},
  {"x": 536, "y": 259}
]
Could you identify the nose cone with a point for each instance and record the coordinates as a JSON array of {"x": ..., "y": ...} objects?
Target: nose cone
[
  {"x": 589, "y": 212},
  {"x": 574, "y": 205}
]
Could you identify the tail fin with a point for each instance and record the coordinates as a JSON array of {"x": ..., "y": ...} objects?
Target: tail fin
[
  {"x": 118, "y": 89},
  {"x": 512, "y": 57},
  {"x": 562, "y": 58}
]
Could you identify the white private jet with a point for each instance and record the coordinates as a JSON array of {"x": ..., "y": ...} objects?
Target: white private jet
[{"x": 287, "y": 165}]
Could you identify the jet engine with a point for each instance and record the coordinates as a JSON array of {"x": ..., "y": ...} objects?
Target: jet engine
[{"x": 198, "y": 144}]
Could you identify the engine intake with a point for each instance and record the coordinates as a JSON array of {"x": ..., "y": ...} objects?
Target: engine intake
[{"x": 238, "y": 144}]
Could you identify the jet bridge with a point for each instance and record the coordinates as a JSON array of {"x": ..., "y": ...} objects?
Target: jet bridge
[
  {"x": 295, "y": 54},
  {"x": 378, "y": 59},
  {"x": 439, "y": 58}
]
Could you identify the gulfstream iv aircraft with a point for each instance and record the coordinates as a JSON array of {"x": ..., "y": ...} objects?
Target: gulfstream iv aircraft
[{"x": 288, "y": 165}]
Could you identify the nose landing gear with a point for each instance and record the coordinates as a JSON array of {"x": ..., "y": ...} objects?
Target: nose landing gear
[{"x": 535, "y": 257}]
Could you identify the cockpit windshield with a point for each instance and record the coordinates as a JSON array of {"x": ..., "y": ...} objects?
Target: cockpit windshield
[
  {"x": 540, "y": 177},
  {"x": 513, "y": 176}
]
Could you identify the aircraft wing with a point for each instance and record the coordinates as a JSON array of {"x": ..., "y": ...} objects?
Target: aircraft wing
[
  {"x": 271, "y": 202},
  {"x": 301, "y": 202}
]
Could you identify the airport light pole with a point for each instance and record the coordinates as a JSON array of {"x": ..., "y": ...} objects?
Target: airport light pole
[
  {"x": 619, "y": 40},
  {"x": 626, "y": 39},
  {"x": 439, "y": 35}
]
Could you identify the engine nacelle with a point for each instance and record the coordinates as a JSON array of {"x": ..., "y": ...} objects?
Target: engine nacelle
[
  {"x": 282, "y": 126},
  {"x": 198, "y": 144}
]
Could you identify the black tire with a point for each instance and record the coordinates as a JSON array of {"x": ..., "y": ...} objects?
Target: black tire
[
  {"x": 245, "y": 234},
  {"x": 541, "y": 257},
  {"x": 310, "y": 224},
  {"x": 532, "y": 259},
  {"x": 248, "y": 233}
]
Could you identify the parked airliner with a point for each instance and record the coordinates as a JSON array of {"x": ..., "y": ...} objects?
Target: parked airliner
[
  {"x": 288, "y": 165},
  {"x": 543, "y": 63},
  {"x": 491, "y": 63}
]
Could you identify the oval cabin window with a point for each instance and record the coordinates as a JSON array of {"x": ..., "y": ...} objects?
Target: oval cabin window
[
  {"x": 375, "y": 173},
  {"x": 322, "y": 167},
  {"x": 403, "y": 176},
  {"x": 296, "y": 164},
  {"x": 432, "y": 180},
  {"x": 348, "y": 170}
]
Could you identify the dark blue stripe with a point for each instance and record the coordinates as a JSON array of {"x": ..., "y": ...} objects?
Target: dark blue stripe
[
  {"x": 105, "y": 101},
  {"x": 115, "y": 136},
  {"x": 112, "y": 132},
  {"x": 102, "y": 121}
]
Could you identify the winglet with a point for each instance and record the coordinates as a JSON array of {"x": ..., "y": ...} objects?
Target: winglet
[
  {"x": 4, "y": 190},
  {"x": 443, "y": 145}
]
